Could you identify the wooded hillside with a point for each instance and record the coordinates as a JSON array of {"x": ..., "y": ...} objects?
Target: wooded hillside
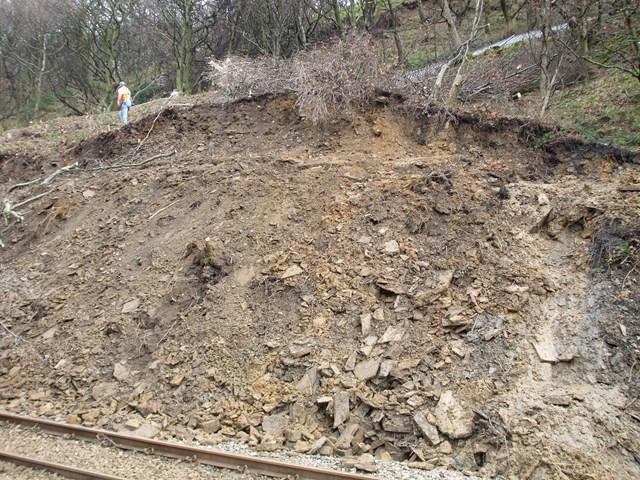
[{"x": 67, "y": 56}]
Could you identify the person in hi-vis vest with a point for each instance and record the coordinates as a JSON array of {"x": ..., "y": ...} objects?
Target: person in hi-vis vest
[{"x": 124, "y": 102}]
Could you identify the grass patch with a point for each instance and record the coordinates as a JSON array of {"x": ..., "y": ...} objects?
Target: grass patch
[{"x": 603, "y": 109}]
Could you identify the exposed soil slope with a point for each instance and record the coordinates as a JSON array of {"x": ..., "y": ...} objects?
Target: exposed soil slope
[{"x": 378, "y": 284}]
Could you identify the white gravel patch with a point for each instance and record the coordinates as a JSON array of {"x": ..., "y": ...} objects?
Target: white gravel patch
[{"x": 387, "y": 470}]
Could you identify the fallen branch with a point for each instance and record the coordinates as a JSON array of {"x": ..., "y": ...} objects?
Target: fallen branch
[
  {"x": 9, "y": 209},
  {"x": 9, "y": 331},
  {"x": 60, "y": 171},
  {"x": 20, "y": 185},
  {"x": 163, "y": 209},
  {"x": 47, "y": 180},
  {"x": 122, "y": 166}
]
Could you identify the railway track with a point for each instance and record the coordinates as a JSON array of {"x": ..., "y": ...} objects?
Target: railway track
[{"x": 254, "y": 465}]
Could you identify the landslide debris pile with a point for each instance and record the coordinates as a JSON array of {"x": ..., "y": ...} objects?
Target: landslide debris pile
[{"x": 375, "y": 285}]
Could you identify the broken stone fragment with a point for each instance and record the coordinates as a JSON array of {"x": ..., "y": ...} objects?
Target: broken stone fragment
[
  {"x": 292, "y": 271},
  {"x": 274, "y": 425},
  {"x": 445, "y": 448},
  {"x": 440, "y": 285},
  {"x": 211, "y": 426},
  {"x": 365, "y": 462},
  {"x": 298, "y": 351},
  {"x": 147, "y": 431},
  {"x": 131, "y": 306},
  {"x": 392, "y": 246},
  {"x": 49, "y": 334},
  {"x": 351, "y": 363},
  {"x": 452, "y": 419},
  {"x": 120, "y": 372},
  {"x": 393, "y": 334},
  {"x": 340, "y": 408},
  {"x": 409, "y": 364},
  {"x": 317, "y": 445},
  {"x": 397, "y": 424},
  {"x": 454, "y": 321},
  {"x": 132, "y": 424},
  {"x": 416, "y": 401},
  {"x": 560, "y": 400},
  {"x": 292, "y": 435},
  {"x": 567, "y": 354},
  {"x": 103, "y": 390},
  {"x": 427, "y": 428},
  {"x": 386, "y": 367},
  {"x": 367, "y": 369},
  {"x": 308, "y": 382},
  {"x": 365, "y": 323},
  {"x": 546, "y": 350},
  {"x": 346, "y": 437},
  {"x": 177, "y": 380}
]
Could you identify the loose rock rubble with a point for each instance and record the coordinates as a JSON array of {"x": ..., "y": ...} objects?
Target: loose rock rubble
[{"x": 341, "y": 290}]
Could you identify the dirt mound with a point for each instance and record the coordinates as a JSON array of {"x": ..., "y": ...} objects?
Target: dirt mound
[{"x": 376, "y": 284}]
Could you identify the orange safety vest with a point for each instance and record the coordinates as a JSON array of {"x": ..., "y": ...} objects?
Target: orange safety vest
[{"x": 123, "y": 94}]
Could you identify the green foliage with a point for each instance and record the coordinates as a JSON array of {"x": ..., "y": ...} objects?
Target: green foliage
[
  {"x": 616, "y": 246},
  {"x": 544, "y": 140},
  {"x": 209, "y": 255},
  {"x": 623, "y": 253},
  {"x": 603, "y": 109}
]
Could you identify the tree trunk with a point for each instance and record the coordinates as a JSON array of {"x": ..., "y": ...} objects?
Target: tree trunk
[
  {"x": 545, "y": 80},
  {"x": 584, "y": 33},
  {"x": 40, "y": 76},
  {"x": 422, "y": 13},
  {"x": 337, "y": 17},
  {"x": 368, "y": 12},
  {"x": 508, "y": 18},
  {"x": 396, "y": 33},
  {"x": 454, "y": 92},
  {"x": 451, "y": 24}
]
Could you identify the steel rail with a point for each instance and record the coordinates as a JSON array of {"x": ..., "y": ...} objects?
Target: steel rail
[
  {"x": 205, "y": 456},
  {"x": 64, "y": 470}
]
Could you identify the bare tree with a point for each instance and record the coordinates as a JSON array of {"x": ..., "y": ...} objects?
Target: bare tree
[
  {"x": 26, "y": 45},
  {"x": 459, "y": 58},
  {"x": 451, "y": 24},
  {"x": 616, "y": 39},
  {"x": 186, "y": 24},
  {"x": 89, "y": 67},
  {"x": 510, "y": 10},
  {"x": 464, "y": 53},
  {"x": 393, "y": 14}
]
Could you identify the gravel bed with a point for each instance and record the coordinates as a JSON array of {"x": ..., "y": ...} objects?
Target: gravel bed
[
  {"x": 113, "y": 461},
  {"x": 387, "y": 470},
  {"x": 135, "y": 465}
]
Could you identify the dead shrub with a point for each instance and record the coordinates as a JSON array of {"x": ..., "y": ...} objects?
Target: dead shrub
[
  {"x": 337, "y": 77},
  {"x": 238, "y": 76},
  {"x": 616, "y": 246}
]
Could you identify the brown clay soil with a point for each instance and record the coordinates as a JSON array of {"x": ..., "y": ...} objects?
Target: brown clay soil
[{"x": 383, "y": 284}]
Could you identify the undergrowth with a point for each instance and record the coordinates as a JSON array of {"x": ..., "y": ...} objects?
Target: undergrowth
[
  {"x": 603, "y": 109},
  {"x": 616, "y": 247}
]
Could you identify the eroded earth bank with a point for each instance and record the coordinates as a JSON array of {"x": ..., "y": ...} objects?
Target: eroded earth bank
[{"x": 381, "y": 284}]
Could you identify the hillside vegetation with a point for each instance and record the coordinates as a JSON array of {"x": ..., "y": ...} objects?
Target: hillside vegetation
[{"x": 579, "y": 72}]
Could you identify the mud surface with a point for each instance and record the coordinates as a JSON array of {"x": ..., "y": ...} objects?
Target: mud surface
[{"x": 373, "y": 285}]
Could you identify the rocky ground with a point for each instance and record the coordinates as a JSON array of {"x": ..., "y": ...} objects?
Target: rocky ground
[{"x": 446, "y": 296}]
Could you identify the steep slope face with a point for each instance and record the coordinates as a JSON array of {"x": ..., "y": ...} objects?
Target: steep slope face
[{"x": 372, "y": 285}]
